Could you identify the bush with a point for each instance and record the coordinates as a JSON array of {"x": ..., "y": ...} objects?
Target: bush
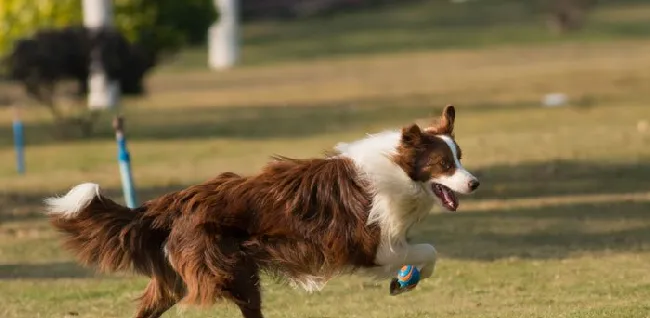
[
  {"x": 161, "y": 24},
  {"x": 156, "y": 27}
]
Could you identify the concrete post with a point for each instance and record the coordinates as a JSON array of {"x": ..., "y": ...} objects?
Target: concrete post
[
  {"x": 223, "y": 36},
  {"x": 103, "y": 93}
]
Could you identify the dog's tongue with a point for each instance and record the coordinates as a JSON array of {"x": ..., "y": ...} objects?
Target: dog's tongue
[{"x": 449, "y": 199}]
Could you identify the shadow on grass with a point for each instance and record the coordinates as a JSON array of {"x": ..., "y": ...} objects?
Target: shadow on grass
[
  {"x": 261, "y": 122},
  {"x": 44, "y": 271},
  {"x": 16, "y": 207},
  {"x": 499, "y": 182},
  {"x": 556, "y": 230},
  {"x": 540, "y": 233},
  {"x": 560, "y": 178},
  {"x": 553, "y": 230}
]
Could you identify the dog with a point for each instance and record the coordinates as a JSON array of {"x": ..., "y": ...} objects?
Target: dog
[
  {"x": 52, "y": 55},
  {"x": 301, "y": 220}
]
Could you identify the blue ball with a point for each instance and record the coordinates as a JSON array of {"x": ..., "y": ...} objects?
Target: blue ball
[{"x": 408, "y": 277}]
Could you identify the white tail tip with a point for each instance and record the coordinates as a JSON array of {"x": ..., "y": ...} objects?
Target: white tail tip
[{"x": 74, "y": 201}]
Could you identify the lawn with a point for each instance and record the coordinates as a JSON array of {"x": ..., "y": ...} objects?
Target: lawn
[
  {"x": 422, "y": 26},
  {"x": 559, "y": 228}
]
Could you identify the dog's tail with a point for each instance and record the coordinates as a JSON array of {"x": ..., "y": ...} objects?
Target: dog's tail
[{"x": 105, "y": 234}]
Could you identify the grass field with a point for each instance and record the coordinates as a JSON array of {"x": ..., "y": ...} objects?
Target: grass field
[
  {"x": 559, "y": 228},
  {"x": 422, "y": 26}
]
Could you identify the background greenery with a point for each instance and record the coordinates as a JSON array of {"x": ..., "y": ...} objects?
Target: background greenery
[{"x": 174, "y": 23}]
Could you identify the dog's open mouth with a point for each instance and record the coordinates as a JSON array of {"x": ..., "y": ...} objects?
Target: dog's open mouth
[{"x": 446, "y": 196}]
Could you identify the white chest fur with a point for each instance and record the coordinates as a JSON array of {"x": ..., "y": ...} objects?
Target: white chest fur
[{"x": 398, "y": 201}]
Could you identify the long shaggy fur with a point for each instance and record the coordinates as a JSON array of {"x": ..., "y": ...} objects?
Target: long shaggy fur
[
  {"x": 107, "y": 235},
  {"x": 301, "y": 220}
]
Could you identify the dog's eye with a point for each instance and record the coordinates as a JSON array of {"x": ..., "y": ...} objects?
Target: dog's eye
[{"x": 445, "y": 165}]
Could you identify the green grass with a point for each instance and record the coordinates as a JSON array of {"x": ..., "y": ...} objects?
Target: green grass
[
  {"x": 421, "y": 26},
  {"x": 559, "y": 228}
]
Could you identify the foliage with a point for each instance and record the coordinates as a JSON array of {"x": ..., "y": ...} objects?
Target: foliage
[
  {"x": 171, "y": 22},
  {"x": 160, "y": 26},
  {"x": 20, "y": 18},
  {"x": 191, "y": 18}
]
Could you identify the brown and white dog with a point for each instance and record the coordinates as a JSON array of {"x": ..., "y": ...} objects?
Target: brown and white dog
[{"x": 304, "y": 220}]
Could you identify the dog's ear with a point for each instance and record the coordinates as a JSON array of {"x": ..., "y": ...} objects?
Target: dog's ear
[
  {"x": 411, "y": 135},
  {"x": 447, "y": 120},
  {"x": 445, "y": 124}
]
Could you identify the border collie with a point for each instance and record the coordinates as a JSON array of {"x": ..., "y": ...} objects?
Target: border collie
[{"x": 303, "y": 220}]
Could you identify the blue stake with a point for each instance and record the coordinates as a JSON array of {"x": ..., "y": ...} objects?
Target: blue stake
[
  {"x": 125, "y": 163},
  {"x": 19, "y": 142}
]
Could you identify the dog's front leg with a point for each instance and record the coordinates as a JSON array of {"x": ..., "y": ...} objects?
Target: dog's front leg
[{"x": 423, "y": 256}]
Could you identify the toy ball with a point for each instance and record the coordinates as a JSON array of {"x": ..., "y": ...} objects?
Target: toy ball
[{"x": 407, "y": 278}]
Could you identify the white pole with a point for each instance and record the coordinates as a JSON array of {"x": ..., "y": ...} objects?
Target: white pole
[
  {"x": 223, "y": 36},
  {"x": 102, "y": 93}
]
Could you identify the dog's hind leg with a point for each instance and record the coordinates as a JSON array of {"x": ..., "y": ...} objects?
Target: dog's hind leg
[
  {"x": 244, "y": 290},
  {"x": 161, "y": 294},
  {"x": 212, "y": 264}
]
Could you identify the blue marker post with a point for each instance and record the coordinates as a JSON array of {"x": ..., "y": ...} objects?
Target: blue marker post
[
  {"x": 19, "y": 141},
  {"x": 125, "y": 163}
]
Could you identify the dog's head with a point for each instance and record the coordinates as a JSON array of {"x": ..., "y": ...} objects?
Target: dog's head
[{"x": 431, "y": 157}]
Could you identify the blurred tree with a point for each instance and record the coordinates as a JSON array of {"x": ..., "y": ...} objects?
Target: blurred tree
[
  {"x": 191, "y": 18},
  {"x": 20, "y": 18},
  {"x": 160, "y": 24}
]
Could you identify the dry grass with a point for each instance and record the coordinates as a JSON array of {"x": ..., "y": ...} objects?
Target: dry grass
[
  {"x": 609, "y": 69},
  {"x": 559, "y": 228}
]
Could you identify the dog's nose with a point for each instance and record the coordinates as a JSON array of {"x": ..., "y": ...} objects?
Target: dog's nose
[{"x": 474, "y": 184}]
